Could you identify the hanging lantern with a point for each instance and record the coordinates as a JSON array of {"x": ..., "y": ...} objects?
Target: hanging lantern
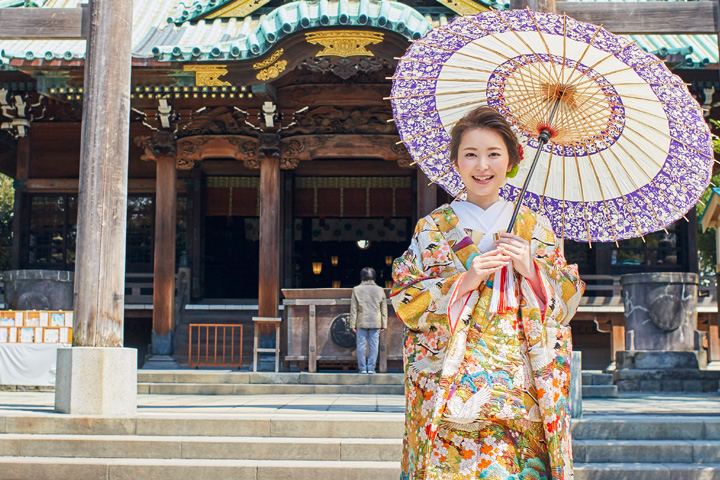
[
  {"x": 336, "y": 283},
  {"x": 334, "y": 260},
  {"x": 388, "y": 260},
  {"x": 317, "y": 268}
]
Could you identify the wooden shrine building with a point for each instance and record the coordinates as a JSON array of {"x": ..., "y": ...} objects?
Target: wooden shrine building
[{"x": 261, "y": 155}]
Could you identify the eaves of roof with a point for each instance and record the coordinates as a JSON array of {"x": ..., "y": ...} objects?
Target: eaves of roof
[
  {"x": 196, "y": 10},
  {"x": 202, "y": 8},
  {"x": 292, "y": 17}
]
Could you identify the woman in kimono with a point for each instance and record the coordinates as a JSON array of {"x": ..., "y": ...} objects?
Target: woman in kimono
[{"x": 487, "y": 346}]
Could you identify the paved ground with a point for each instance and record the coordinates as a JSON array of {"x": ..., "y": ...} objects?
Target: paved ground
[{"x": 41, "y": 403}]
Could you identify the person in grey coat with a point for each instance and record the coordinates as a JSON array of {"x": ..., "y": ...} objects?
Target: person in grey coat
[{"x": 368, "y": 317}]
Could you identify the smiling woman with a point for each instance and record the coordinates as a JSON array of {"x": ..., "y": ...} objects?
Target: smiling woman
[{"x": 487, "y": 344}]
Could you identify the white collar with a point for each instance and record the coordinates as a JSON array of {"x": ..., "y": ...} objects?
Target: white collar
[{"x": 491, "y": 220}]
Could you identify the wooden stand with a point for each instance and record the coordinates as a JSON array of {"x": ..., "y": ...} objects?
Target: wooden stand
[{"x": 256, "y": 336}]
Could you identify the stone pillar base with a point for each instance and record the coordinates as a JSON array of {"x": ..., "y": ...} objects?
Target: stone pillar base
[
  {"x": 96, "y": 381},
  {"x": 658, "y": 360}
]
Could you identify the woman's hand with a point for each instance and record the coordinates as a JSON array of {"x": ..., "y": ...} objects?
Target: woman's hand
[
  {"x": 518, "y": 249},
  {"x": 481, "y": 267}
]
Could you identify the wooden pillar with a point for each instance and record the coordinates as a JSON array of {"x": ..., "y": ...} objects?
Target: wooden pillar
[
  {"x": 195, "y": 232},
  {"x": 426, "y": 195},
  {"x": 20, "y": 202},
  {"x": 164, "y": 271},
  {"x": 102, "y": 206},
  {"x": 269, "y": 281}
]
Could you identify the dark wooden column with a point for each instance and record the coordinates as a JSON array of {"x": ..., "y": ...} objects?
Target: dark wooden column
[
  {"x": 20, "y": 203},
  {"x": 102, "y": 206},
  {"x": 164, "y": 271},
  {"x": 269, "y": 281},
  {"x": 426, "y": 195}
]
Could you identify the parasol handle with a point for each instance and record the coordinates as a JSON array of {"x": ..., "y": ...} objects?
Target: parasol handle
[{"x": 543, "y": 140}]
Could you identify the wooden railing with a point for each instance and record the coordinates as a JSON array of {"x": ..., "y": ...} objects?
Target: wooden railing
[{"x": 215, "y": 345}]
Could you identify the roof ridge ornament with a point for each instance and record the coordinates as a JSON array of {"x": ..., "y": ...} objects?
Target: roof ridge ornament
[
  {"x": 208, "y": 75},
  {"x": 344, "y": 43}
]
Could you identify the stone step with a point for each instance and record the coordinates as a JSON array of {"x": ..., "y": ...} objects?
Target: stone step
[
  {"x": 187, "y": 447},
  {"x": 321, "y": 449},
  {"x": 321, "y": 425},
  {"x": 55, "y": 468},
  {"x": 646, "y": 451},
  {"x": 646, "y": 471},
  {"x": 299, "y": 378},
  {"x": 646, "y": 427},
  {"x": 596, "y": 378},
  {"x": 265, "y": 389},
  {"x": 599, "y": 391},
  {"x": 26, "y": 468},
  {"x": 330, "y": 424}
]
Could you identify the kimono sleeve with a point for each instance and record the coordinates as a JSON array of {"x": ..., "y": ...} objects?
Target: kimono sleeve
[
  {"x": 561, "y": 282},
  {"x": 424, "y": 276}
]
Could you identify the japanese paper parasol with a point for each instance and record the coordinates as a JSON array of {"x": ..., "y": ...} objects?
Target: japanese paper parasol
[{"x": 620, "y": 146}]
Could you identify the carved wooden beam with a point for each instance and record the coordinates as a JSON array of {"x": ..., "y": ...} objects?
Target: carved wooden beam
[
  {"x": 313, "y": 147},
  {"x": 159, "y": 143},
  {"x": 202, "y": 147}
]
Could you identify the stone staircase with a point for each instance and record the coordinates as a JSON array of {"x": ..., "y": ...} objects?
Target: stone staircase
[
  {"x": 209, "y": 382},
  {"x": 319, "y": 447}
]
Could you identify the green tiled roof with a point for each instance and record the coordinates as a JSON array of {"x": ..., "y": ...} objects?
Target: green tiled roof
[
  {"x": 302, "y": 15},
  {"x": 197, "y": 9},
  {"x": 201, "y": 8},
  {"x": 250, "y": 37}
]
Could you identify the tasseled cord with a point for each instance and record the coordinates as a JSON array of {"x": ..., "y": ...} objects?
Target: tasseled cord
[{"x": 504, "y": 298}]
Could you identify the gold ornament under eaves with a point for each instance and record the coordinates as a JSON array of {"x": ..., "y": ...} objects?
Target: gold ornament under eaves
[
  {"x": 270, "y": 60},
  {"x": 464, "y": 7},
  {"x": 272, "y": 71},
  {"x": 208, "y": 75},
  {"x": 344, "y": 43},
  {"x": 239, "y": 8}
]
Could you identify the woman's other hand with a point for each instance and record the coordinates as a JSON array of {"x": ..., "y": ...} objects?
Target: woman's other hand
[{"x": 518, "y": 249}]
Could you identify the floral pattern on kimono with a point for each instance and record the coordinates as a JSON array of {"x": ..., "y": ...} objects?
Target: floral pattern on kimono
[{"x": 453, "y": 374}]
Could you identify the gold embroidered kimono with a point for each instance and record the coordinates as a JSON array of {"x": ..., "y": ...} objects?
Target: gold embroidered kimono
[{"x": 488, "y": 398}]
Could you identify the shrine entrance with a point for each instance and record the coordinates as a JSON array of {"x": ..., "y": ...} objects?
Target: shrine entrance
[
  {"x": 345, "y": 223},
  {"x": 231, "y": 243}
]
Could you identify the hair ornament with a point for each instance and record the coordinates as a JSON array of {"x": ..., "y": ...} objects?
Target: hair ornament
[
  {"x": 521, "y": 152},
  {"x": 513, "y": 171}
]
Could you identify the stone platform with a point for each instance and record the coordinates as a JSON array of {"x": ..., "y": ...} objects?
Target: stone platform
[
  {"x": 655, "y": 371},
  {"x": 319, "y": 437}
]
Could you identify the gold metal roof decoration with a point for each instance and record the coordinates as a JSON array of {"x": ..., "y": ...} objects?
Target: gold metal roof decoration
[
  {"x": 344, "y": 43},
  {"x": 272, "y": 71},
  {"x": 464, "y": 7},
  {"x": 270, "y": 60},
  {"x": 208, "y": 75},
  {"x": 270, "y": 68},
  {"x": 240, "y": 8}
]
